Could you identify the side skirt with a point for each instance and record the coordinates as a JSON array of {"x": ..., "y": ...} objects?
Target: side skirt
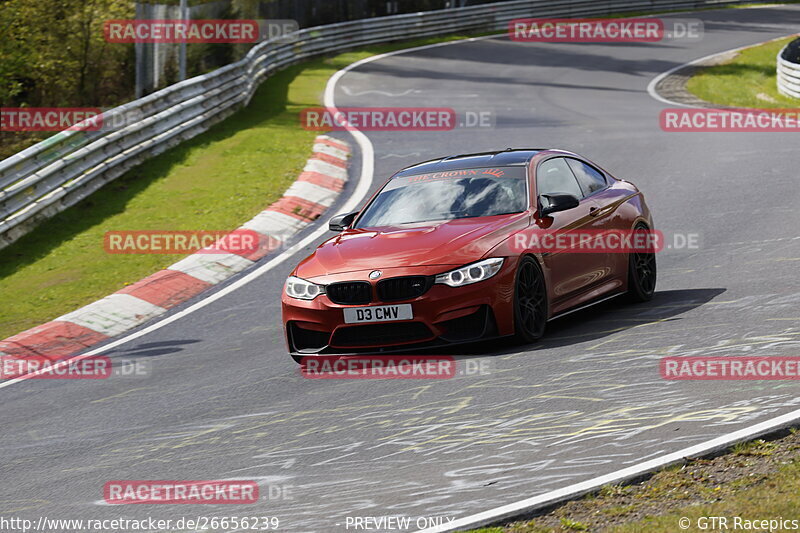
[{"x": 587, "y": 305}]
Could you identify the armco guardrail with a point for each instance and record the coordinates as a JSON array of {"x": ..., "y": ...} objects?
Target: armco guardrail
[
  {"x": 788, "y": 73},
  {"x": 50, "y": 176}
]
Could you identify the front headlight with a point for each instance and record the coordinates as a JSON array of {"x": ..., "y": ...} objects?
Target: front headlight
[
  {"x": 471, "y": 273},
  {"x": 302, "y": 289}
]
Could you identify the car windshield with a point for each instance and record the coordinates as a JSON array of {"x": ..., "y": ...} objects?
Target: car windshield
[{"x": 452, "y": 194}]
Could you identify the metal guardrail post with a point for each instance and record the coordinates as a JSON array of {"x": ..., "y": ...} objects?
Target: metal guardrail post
[{"x": 788, "y": 76}]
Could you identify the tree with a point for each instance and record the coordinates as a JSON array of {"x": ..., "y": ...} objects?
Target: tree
[{"x": 54, "y": 53}]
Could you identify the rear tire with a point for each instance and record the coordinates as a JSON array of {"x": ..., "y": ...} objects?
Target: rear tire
[
  {"x": 642, "y": 273},
  {"x": 530, "y": 302}
]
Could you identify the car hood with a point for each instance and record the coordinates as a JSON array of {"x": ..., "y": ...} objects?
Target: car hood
[{"x": 453, "y": 242}]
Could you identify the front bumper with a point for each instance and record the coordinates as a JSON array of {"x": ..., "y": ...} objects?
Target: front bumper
[{"x": 443, "y": 315}]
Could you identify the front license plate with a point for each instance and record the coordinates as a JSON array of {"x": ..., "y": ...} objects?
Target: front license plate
[{"x": 378, "y": 313}]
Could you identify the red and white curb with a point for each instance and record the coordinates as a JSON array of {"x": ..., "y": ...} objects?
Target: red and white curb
[{"x": 316, "y": 188}]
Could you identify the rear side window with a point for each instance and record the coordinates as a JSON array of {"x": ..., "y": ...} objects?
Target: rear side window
[
  {"x": 554, "y": 177},
  {"x": 590, "y": 179}
]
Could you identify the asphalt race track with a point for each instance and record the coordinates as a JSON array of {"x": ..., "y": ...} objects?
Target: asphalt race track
[{"x": 223, "y": 400}]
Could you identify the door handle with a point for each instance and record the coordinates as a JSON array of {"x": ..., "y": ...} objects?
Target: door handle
[{"x": 594, "y": 211}]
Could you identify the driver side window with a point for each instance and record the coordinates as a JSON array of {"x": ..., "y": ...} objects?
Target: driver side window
[{"x": 555, "y": 177}]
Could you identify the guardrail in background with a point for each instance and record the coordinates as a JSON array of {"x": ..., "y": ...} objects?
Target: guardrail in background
[
  {"x": 788, "y": 74},
  {"x": 55, "y": 174}
]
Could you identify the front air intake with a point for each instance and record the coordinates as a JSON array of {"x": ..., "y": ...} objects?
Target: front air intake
[{"x": 350, "y": 292}]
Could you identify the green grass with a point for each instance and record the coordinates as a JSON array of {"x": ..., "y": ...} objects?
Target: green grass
[
  {"x": 778, "y": 496},
  {"x": 774, "y": 496},
  {"x": 739, "y": 82},
  {"x": 619, "y": 510},
  {"x": 216, "y": 181},
  {"x": 755, "y": 447},
  {"x": 573, "y": 525}
]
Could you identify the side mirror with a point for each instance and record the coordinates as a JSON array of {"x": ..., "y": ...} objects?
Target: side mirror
[
  {"x": 342, "y": 222},
  {"x": 553, "y": 203}
]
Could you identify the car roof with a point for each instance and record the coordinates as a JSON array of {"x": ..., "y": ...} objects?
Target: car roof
[{"x": 505, "y": 158}]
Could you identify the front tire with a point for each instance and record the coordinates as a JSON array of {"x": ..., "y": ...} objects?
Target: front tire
[
  {"x": 642, "y": 273},
  {"x": 530, "y": 302}
]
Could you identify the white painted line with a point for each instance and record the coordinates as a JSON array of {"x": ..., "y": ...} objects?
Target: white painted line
[
  {"x": 113, "y": 314},
  {"x": 360, "y": 193},
  {"x": 312, "y": 193},
  {"x": 578, "y": 489}
]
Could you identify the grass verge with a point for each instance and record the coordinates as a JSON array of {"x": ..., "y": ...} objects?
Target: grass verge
[
  {"x": 748, "y": 80},
  {"x": 755, "y": 480},
  {"x": 216, "y": 181}
]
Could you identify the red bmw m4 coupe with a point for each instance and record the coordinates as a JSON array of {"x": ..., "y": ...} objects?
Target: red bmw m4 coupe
[{"x": 450, "y": 251}]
